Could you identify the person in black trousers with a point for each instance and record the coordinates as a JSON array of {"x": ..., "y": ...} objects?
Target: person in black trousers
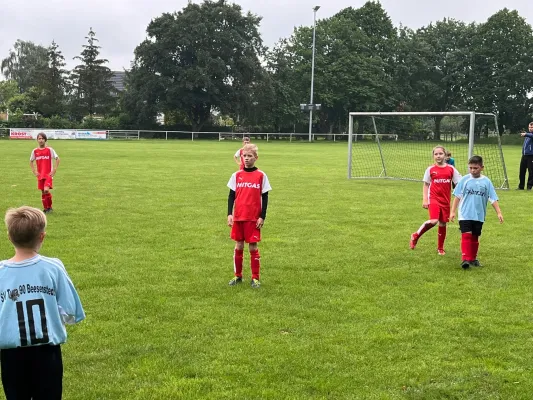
[{"x": 526, "y": 163}]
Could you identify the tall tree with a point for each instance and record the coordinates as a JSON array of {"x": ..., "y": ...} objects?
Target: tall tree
[
  {"x": 25, "y": 64},
  {"x": 501, "y": 75},
  {"x": 439, "y": 77},
  {"x": 93, "y": 92},
  {"x": 202, "y": 66},
  {"x": 54, "y": 84}
]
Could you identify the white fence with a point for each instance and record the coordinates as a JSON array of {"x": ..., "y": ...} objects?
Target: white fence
[{"x": 186, "y": 135}]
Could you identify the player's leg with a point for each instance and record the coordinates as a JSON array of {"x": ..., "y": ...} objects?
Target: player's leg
[
  {"x": 476, "y": 233},
  {"x": 426, "y": 226},
  {"x": 253, "y": 237},
  {"x": 522, "y": 173},
  {"x": 47, "y": 188},
  {"x": 529, "y": 162},
  {"x": 237, "y": 234},
  {"x": 466, "y": 243},
  {"x": 47, "y": 370},
  {"x": 40, "y": 186},
  {"x": 16, "y": 378},
  {"x": 444, "y": 217}
]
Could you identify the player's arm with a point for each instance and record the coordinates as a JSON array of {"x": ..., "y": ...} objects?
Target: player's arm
[
  {"x": 264, "y": 206},
  {"x": 453, "y": 211},
  {"x": 56, "y": 164},
  {"x": 32, "y": 164},
  {"x": 68, "y": 301},
  {"x": 231, "y": 202},
  {"x": 528, "y": 134},
  {"x": 496, "y": 207},
  {"x": 425, "y": 195},
  {"x": 493, "y": 198},
  {"x": 237, "y": 157}
]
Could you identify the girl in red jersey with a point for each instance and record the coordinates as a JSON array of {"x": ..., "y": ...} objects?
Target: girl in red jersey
[
  {"x": 238, "y": 155},
  {"x": 437, "y": 189},
  {"x": 46, "y": 169},
  {"x": 247, "y": 207}
]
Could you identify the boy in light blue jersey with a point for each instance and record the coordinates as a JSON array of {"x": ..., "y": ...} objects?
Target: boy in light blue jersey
[
  {"x": 472, "y": 194},
  {"x": 37, "y": 299}
]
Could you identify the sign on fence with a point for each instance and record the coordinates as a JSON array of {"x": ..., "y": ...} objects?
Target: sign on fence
[{"x": 29, "y": 134}]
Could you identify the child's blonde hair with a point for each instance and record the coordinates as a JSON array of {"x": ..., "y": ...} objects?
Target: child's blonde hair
[
  {"x": 439, "y": 147},
  {"x": 252, "y": 148},
  {"x": 24, "y": 225}
]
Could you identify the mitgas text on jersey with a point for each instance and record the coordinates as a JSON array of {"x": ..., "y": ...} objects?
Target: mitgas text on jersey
[
  {"x": 42, "y": 158},
  {"x": 14, "y": 294},
  {"x": 249, "y": 185},
  {"x": 442, "y": 180},
  {"x": 481, "y": 193}
]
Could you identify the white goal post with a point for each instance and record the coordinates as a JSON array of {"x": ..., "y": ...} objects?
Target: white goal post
[{"x": 397, "y": 145}]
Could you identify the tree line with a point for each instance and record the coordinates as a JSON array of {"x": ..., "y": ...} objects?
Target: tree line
[{"x": 206, "y": 65}]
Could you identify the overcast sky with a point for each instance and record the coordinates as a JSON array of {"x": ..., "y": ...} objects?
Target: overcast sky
[{"x": 120, "y": 25}]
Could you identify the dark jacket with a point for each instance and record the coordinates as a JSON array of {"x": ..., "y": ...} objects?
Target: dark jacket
[{"x": 527, "y": 148}]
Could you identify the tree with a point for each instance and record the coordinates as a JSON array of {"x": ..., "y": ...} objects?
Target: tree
[
  {"x": 501, "y": 75},
  {"x": 8, "y": 90},
  {"x": 25, "y": 64},
  {"x": 54, "y": 85},
  {"x": 438, "y": 74},
  {"x": 201, "y": 59},
  {"x": 92, "y": 88}
]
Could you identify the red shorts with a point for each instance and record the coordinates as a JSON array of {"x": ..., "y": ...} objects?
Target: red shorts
[
  {"x": 46, "y": 181},
  {"x": 437, "y": 211},
  {"x": 245, "y": 231}
]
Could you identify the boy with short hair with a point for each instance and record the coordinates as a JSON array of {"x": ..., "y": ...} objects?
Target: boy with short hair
[
  {"x": 44, "y": 156},
  {"x": 37, "y": 299},
  {"x": 471, "y": 195},
  {"x": 247, "y": 207},
  {"x": 238, "y": 155}
]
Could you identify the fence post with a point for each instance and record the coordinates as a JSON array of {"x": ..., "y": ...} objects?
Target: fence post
[{"x": 166, "y": 135}]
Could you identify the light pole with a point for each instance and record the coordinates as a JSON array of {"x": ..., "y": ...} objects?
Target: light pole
[{"x": 311, "y": 105}]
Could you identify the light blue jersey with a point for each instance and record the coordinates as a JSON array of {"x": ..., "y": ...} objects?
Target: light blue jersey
[
  {"x": 474, "y": 194},
  {"x": 37, "y": 299}
]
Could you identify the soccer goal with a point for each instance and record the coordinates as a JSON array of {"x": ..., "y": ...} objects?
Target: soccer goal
[{"x": 398, "y": 145}]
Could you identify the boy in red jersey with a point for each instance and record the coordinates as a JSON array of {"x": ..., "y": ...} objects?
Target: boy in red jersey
[
  {"x": 437, "y": 190},
  {"x": 238, "y": 155},
  {"x": 46, "y": 169},
  {"x": 249, "y": 189}
]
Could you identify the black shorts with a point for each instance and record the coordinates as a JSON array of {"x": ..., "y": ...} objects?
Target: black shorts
[
  {"x": 34, "y": 372},
  {"x": 471, "y": 226}
]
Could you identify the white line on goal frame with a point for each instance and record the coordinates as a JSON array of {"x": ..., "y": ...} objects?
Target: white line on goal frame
[{"x": 471, "y": 114}]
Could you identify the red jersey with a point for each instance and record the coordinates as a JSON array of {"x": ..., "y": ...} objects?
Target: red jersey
[
  {"x": 440, "y": 183},
  {"x": 248, "y": 187},
  {"x": 44, "y": 159}
]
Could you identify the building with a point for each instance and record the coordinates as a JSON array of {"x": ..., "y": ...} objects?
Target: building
[{"x": 118, "y": 80}]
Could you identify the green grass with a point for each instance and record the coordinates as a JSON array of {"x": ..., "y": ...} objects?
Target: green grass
[{"x": 346, "y": 310}]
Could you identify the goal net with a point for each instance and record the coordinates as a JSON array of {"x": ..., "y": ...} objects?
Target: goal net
[{"x": 398, "y": 145}]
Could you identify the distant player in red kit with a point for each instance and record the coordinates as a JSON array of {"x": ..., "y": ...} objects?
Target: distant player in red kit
[
  {"x": 436, "y": 197},
  {"x": 247, "y": 207},
  {"x": 238, "y": 155},
  {"x": 44, "y": 157}
]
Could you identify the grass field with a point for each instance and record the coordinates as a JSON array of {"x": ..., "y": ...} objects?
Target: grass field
[{"x": 346, "y": 310}]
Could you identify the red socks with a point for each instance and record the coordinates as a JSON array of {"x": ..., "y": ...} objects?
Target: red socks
[
  {"x": 466, "y": 247},
  {"x": 254, "y": 260},
  {"x": 238, "y": 256},
  {"x": 469, "y": 246},
  {"x": 46, "y": 198},
  {"x": 442, "y": 237},
  {"x": 237, "y": 262},
  {"x": 475, "y": 247}
]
